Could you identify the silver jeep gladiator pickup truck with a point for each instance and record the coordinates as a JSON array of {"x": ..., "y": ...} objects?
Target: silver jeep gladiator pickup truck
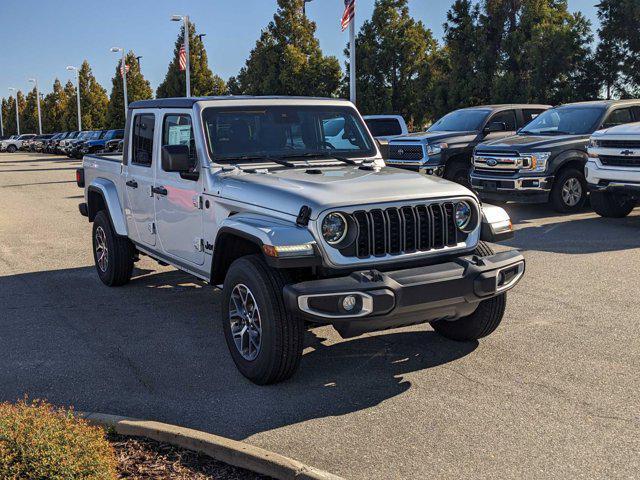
[{"x": 297, "y": 225}]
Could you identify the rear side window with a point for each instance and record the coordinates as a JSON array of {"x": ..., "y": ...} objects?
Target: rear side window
[
  {"x": 508, "y": 117},
  {"x": 618, "y": 117},
  {"x": 529, "y": 114},
  {"x": 142, "y": 139},
  {"x": 382, "y": 127},
  {"x": 178, "y": 130}
]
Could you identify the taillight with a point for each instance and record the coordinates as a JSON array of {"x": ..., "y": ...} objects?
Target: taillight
[{"x": 80, "y": 177}]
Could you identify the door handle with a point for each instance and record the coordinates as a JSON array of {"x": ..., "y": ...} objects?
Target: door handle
[
  {"x": 159, "y": 190},
  {"x": 132, "y": 183}
]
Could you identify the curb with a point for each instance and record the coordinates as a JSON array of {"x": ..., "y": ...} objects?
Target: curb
[{"x": 232, "y": 452}]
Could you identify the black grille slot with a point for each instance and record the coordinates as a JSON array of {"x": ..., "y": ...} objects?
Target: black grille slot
[
  {"x": 620, "y": 144},
  {"x": 614, "y": 161},
  {"x": 395, "y": 231},
  {"x": 405, "y": 152}
]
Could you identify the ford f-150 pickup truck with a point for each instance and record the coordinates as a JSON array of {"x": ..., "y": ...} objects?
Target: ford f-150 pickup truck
[
  {"x": 545, "y": 161},
  {"x": 613, "y": 170},
  {"x": 296, "y": 225}
]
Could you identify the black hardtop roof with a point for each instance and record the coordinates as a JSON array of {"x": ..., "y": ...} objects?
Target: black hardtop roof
[
  {"x": 184, "y": 102},
  {"x": 505, "y": 106}
]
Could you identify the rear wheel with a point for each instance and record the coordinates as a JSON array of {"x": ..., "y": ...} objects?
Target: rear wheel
[
  {"x": 264, "y": 339},
  {"x": 569, "y": 192},
  {"x": 12, "y": 148},
  {"x": 113, "y": 254},
  {"x": 480, "y": 323},
  {"x": 607, "y": 204}
]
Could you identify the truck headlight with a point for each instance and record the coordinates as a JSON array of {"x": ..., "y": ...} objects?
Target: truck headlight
[
  {"x": 334, "y": 228},
  {"x": 538, "y": 161},
  {"x": 435, "y": 148},
  {"x": 594, "y": 143},
  {"x": 463, "y": 215}
]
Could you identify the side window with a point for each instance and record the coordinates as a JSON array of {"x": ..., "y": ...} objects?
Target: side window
[
  {"x": 529, "y": 114},
  {"x": 381, "y": 127},
  {"x": 177, "y": 129},
  {"x": 636, "y": 114},
  {"x": 618, "y": 117},
  {"x": 142, "y": 139},
  {"x": 508, "y": 117}
]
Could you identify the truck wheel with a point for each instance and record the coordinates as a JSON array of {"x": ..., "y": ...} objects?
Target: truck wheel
[
  {"x": 607, "y": 204},
  {"x": 569, "y": 191},
  {"x": 480, "y": 323},
  {"x": 113, "y": 254},
  {"x": 264, "y": 339},
  {"x": 12, "y": 148}
]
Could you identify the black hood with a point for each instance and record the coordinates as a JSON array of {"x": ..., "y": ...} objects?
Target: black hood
[
  {"x": 521, "y": 143},
  {"x": 432, "y": 137}
]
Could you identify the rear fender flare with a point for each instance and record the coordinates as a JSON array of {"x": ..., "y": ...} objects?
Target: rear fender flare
[{"x": 109, "y": 193}]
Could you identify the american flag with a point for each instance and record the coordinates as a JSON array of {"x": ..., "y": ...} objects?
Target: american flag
[
  {"x": 126, "y": 67},
  {"x": 349, "y": 13},
  {"x": 182, "y": 59}
]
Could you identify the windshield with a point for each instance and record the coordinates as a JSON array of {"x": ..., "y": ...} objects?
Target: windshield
[
  {"x": 111, "y": 134},
  {"x": 565, "y": 121},
  {"x": 247, "y": 133},
  {"x": 466, "y": 120}
]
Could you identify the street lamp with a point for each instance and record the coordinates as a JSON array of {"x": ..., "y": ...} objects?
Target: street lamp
[
  {"x": 11, "y": 89},
  {"x": 138, "y": 59},
  {"x": 200, "y": 35},
  {"x": 71, "y": 68},
  {"x": 123, "y": 71},
  {"x": 1, "y": 121},
  {"x": 35, "y": 82},
  {"x": 304, "y": 7},
  {"x": 185, "y": 20}
]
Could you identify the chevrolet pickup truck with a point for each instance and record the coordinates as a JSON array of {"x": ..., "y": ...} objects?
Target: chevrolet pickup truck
[
  {"x": 297, "y": 226},
  {"x": 544, "y": 162},
  {"x": 613, "y": 170}
]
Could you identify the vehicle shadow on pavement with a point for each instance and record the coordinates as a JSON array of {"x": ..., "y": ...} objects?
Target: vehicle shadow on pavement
[{"x": 154, "y": 349}]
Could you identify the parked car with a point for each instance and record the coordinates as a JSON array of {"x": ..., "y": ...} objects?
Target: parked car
[
  {"x": 99, "y": 144},
  {"x": 48, "y": 144},
  {"x": 54, "y": 144},
  {"x": 74, "y": 149},
  {"x": 384, "y": 128},
  {"x": 37, "y": 144},
  {"x": 63, "y": 144},
  {"x": 445, "y": 149},
  {"x": 114, "y": 145},
  {"x": 544, "y": 162},
  {"x": 15, "y": 144},
  {"x": 295, "y": 225},
  {"x": 613, "y": 170}
]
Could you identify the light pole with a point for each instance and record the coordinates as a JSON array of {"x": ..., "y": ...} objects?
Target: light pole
[
  {"x": 123, "y": 71},
  {"x": 11, "y": 89},
  {"x": 185, "y": 20},
  {"x": 138, "y": 59},
  {"x": 71, "y": 68},
  {"x": 304, "y": 7},
  {"x": 1, "y": 120},
  {"x": 35, "y": 82}
]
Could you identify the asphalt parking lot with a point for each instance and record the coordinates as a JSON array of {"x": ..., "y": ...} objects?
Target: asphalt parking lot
[{"x": 553, "y": 393}]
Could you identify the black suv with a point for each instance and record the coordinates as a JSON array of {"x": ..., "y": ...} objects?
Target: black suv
[
  {"x": 446, "y": 147},
  {"x": 544, "y": 161}
]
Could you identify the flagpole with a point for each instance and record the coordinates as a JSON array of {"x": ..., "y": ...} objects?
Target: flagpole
[
  {"x": 186, "y": 51},
  {"x": 352, "y": 59}
]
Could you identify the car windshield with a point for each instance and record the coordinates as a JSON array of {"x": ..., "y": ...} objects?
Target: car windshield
[
  {"x": 569, "y": 120},
  {"x": 251, "y": 133},
  {"x": 467, "y": 120}
]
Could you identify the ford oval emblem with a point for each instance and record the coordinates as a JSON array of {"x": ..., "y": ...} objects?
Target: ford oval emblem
[{"x": 492, "y": 162}]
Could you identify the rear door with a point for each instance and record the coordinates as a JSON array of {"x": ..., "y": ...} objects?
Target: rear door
[
  {"x": 178, "y": 206},
  {"x": 139, "y": 178}
]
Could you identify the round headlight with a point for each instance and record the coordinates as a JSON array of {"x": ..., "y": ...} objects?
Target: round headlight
[
  {"x": 334, "y": 228},
  {"x": 463, "y": 214}
]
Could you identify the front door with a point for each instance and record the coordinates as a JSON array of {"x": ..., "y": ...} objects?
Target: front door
[
  {"x": 506, "y": 117},
  {"x": 139, "y": 179},
  {"x": 179, "y": 207}
]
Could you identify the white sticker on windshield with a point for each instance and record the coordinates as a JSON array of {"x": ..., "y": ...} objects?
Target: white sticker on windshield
[{"x": 179, "y": 134}]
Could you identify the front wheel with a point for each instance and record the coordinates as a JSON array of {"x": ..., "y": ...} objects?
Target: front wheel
[
  {"x": 12, "y": 148},
  {"x": 113, "y": 254},
  {"x": 264, "y": 339},
  {"x": 607, "y": 204},
  {"x": 569, "y": 192},
  {"x": 480, "y": 323}
]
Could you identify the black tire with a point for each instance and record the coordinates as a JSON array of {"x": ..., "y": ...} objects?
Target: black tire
[
  {"x": 12, "y": 149},
  {"x": 607, "y": 204},
  {"x": 119, "y": 256},
  {"x": 281, "y": 334},
  {"x": 573, "y": 179},
  {"x": 480, "y": 323}
]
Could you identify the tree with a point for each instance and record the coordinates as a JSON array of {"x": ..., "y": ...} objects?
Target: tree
[
  {"x": 9, "y": 114},
  {"x": 203, "y": 81},
  {"x": 396, "y": 62},
  {"x": 30, "y": 117},
  {"x": 53, "y": 109},
  {"x": 70, "y": 115},
  {"x": 137, "y": 89},
  {"x": 287, "y": 59},
  {"x": 93, "y": 100}
]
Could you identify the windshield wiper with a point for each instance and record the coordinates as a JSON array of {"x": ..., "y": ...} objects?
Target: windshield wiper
[
  {"x": 267, "y": 158},
  {"x": 325, "y": 155}
]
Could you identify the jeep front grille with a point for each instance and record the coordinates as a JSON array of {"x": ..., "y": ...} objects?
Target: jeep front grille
[
  {"x": 405, "y": 152},
  {"x": 616, "y": 161},
  {"x": 408, "y": 229}
]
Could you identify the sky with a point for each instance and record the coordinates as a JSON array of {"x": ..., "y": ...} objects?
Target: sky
[{"x": 40, "y": 38}]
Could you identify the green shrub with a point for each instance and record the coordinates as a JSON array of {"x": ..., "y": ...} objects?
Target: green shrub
[{"x": 39, "y": 441}]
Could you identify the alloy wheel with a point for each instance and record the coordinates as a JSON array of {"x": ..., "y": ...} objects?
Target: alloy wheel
[
  {"x": 571, "y": 191},
  {"x": 102, "y": 252},
  {"x": 246, "y": 323}
]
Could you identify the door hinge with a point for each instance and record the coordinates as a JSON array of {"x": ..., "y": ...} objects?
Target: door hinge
[
  {"x": 198, "y": 244},
  {"x": 197, "y": 202},
  {"x": 152, "y": 228}
]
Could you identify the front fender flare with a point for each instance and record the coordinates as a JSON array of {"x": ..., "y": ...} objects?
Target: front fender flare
[
  {"x": 109, "y": 193},
  {"x": 265, "y": 230}
]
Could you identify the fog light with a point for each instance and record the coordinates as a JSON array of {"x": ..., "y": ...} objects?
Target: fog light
[{"x": 349, "y": 303}]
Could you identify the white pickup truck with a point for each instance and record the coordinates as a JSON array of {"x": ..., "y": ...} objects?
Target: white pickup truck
[
  {"x": 613, "y": 170},
  {"x": 299, "y": 225}
]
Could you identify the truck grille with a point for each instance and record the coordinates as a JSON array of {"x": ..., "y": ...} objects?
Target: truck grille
[
  {"x": 620, "y": 144},
  {"x": 395, "y": 231},
  {"x": 614, "y": 161},
  {"x": 405, "y": 152}
]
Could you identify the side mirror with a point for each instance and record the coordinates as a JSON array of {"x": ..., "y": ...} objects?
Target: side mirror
[
  {"x": 495, "y": 127},
  {"x": 175, "y": 158}
]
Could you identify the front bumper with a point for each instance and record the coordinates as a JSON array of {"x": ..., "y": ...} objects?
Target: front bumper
[
  {"x": 526, "y": 189},
  {"x": 404, "y": 297},
  {"x": 623, "y": 180}
]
